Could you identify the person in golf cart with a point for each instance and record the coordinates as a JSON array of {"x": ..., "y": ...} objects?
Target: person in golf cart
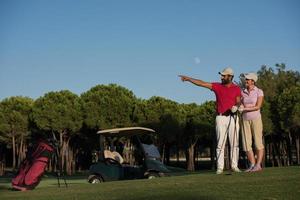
[
  {"x": 113, "y": 151},
  {"x": 116, "y": 151},
  {"x": 113, "y": 155}
]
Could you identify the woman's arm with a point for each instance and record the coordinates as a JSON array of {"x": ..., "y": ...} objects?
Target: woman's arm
[{"x": 257, "y": 106}]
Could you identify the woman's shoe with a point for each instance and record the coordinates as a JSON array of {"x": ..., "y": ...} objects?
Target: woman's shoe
[
  {"x": 250, "y": 168},
  {"x": 256, "y": 168}
]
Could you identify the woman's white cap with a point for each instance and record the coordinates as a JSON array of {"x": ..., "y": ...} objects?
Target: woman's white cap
[{"x": 251, "y": 76}]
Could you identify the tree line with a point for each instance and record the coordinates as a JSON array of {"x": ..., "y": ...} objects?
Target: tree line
[{"x": 183, "y": 129}]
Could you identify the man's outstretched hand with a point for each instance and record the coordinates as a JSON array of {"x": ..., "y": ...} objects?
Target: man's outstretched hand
[{"x": 184, "y": 78}]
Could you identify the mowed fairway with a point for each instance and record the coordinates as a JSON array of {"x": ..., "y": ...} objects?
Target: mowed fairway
[{"x": 272, "y": 183}]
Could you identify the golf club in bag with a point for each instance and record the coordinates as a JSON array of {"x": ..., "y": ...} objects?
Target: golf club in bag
[{"x": 33, "y": 167}]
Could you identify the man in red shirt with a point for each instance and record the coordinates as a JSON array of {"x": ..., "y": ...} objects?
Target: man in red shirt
[{"x": 228, "y": 98}]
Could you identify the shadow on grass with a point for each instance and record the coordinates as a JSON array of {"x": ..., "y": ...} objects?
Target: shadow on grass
[
  {"x": 194, "y": 196},
  {"x": 5, "y": 183},
  {"x": 5, "y": 188}
]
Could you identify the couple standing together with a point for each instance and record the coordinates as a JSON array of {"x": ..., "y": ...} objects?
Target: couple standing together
[{"x": 231, "y": 100}]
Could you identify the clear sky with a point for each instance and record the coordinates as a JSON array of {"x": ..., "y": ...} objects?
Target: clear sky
[{"x": 53, "y": 45}]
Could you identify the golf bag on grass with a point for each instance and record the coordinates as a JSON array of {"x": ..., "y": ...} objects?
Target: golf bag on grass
[{"x": 33, "y": 167}]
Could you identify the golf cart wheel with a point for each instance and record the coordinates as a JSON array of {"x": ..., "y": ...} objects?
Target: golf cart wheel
[
  {"x": 94, "y": 179},
  {"x": 153, "y": 175}
]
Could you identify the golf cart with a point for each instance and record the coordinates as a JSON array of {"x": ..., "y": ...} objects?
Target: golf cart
[{"x": 127, "y": 153}]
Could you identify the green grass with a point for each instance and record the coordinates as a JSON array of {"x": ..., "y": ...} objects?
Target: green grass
[{"x": 272, "y": 183}]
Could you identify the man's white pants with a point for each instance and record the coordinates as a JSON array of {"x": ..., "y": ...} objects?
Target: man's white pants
[{"x": 227, "y": 126}]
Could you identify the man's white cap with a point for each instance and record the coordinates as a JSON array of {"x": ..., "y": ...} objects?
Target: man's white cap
[
  {"x": 251, "y": 76},
  {"x": 227, "y": 71}
]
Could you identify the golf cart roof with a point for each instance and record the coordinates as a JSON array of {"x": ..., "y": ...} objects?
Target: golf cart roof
[{"x": 126, "y": 131}]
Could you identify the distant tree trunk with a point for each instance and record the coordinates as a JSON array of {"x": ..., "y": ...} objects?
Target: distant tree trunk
[
  {"x": 283, "y": 147},
  {"x": 196, "y": 155},
  {"x": 289, "y": 149},
  {"x": 191, "y": 157},
  {"x": 60, "y": 158},
  {"x": 2, "y": 162},
  {"x": 280, "y": 154},
  {"x": 297, "y": 140},
  {"x": 271, "y": 158},
  {"x": 50, "y": 165},
  {"x": 24, "y": 151},
  {"x": 74, "y": 163},
  {"x": 276, "y": 156},
  {"x": 67, "y": 156},
  {"x": 270, "y": 154},
  {"x": 14, "y": 151},
  {"x": 167, "y": 154},
  {"x": 54, "y": 161},
  {"x": 163, "y": 153},
  {"x": 70, "y": 163},
  {"x": 2, "y": 165},
  {"x": 63, "y": 152},
  {"x": 276, "y": 152},
  {"x": 21, "y": 150},
  {"x": 17, "y": 154},
  {"x": 177, "y": 154},
  {"x": 265, "y": 154},
  {"x": 212, "y": 155}
]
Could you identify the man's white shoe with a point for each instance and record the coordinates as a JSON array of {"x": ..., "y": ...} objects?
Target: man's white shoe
[
  {"x": 219, "y": 171},
  {"x": 236, "y": 170}
]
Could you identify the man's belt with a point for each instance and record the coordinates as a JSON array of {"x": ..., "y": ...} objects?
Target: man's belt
[{"x": 226, "y": 113}]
